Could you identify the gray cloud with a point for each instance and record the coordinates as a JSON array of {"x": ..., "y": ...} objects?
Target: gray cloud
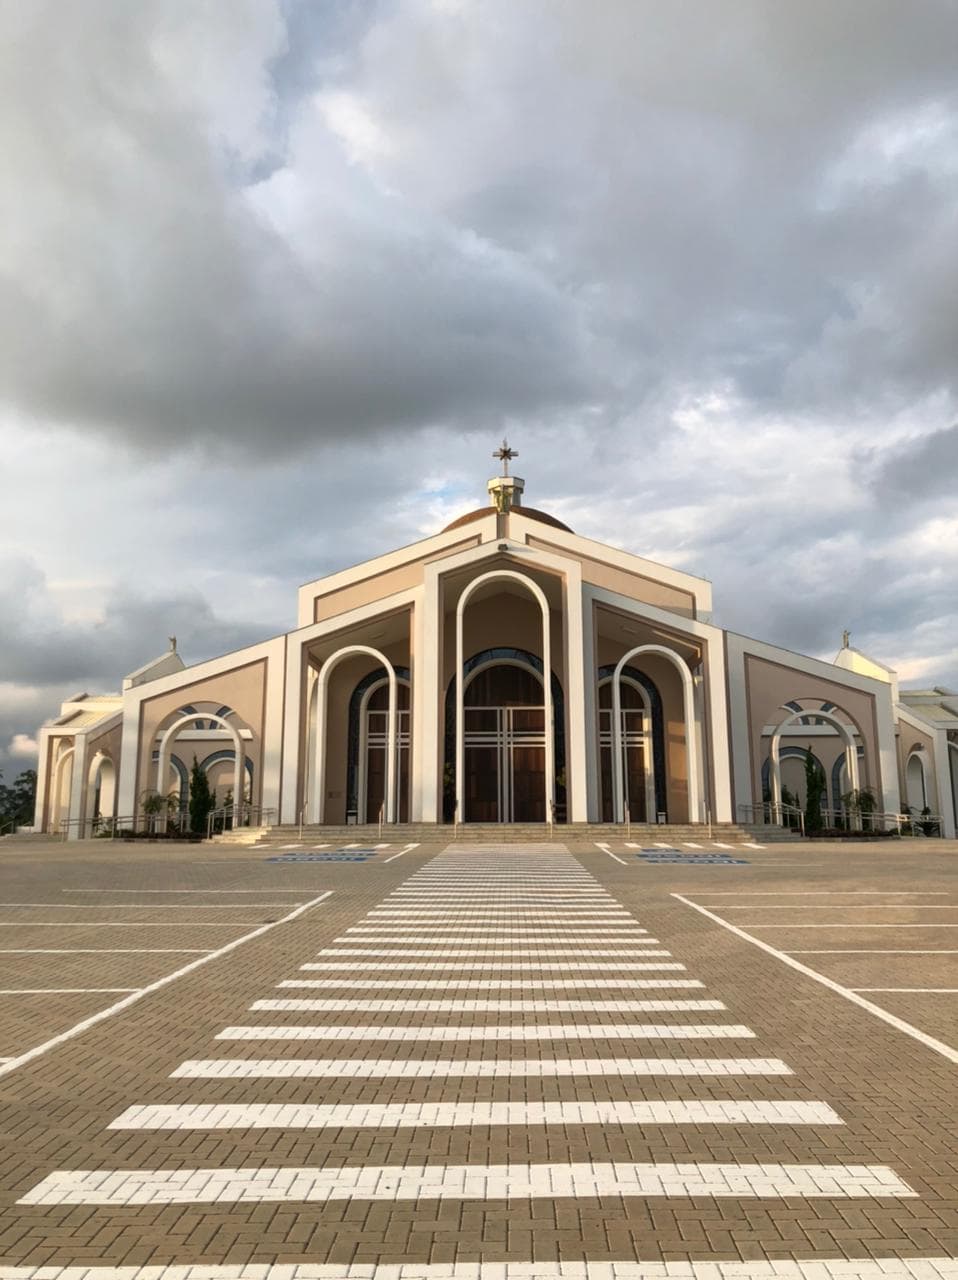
[
  {"x": 919, "y": 468},
  {"x": 275, "y": 277}
]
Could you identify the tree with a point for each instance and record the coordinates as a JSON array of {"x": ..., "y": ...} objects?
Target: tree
[
  {"x": 202, "y": 800},
  {"x": 17, "y": 802},
  {"x": 814, "y": 788}
]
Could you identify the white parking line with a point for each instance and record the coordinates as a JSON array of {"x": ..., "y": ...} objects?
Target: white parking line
[
  {"x": 222, "y": 1186},
  {"x": 854, "y": 997},
  {"x": 271, "y": 889},
  {"x": 844, "y": 906},
  {"x": 605, "y": 849},
  {"x": 939, "y": 924},
  {"x": 689, "y": 844},
  {"x": 124, "y": 924},
  {"x": 64, "y": 991},
  {"x": 104, "y": 951},
  {"x": 78, "y": 1028},
  {"x": 407, "y": 849},
  {"x": 144, "y": 906},
  {"x": 470, "y": 1068},
  {"x": 822, "y": 893},
  {"x": 876, "y": 951},
  {"x": 918, "y": 991},
  {"x": 443, "y": 1115}
]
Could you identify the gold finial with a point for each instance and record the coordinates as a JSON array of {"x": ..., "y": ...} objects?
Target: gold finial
[
  {"x": 846, "y": 637},
  {"x": 505, "y": 456}
]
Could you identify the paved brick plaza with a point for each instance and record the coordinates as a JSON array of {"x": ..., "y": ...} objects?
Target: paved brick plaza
[{"x": 468, "y": 1055}]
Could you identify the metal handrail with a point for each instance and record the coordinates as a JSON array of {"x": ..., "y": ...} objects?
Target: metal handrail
[
  {"x": 239, "y": 816},
  {"x": 382, "y": 810}
]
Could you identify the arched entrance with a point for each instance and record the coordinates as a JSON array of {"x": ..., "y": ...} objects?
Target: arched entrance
[
  {"x": 643, "y": 745},
  {"x": 531, "y": 726},
  {"x": 916, "y": 782},
  {"x": 846, "y": 731},
  {"x": 369, "y": 744},
  {"x": 503, "y": 709},
  {"x": 505, "y": 741},
  {"x": 101, "y": 789},
  {"x": 62, "y": 787}
]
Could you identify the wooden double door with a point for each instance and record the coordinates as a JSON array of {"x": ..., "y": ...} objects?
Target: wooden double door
[{"x": 504, "y": 739}]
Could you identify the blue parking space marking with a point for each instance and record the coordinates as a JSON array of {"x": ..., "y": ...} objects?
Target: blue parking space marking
[
  {"x": 354, "y": 855},
  {"x": 689, "y": 859}
]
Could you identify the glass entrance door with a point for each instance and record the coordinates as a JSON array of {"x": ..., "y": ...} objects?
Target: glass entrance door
[{"x": 505, "y": 764}]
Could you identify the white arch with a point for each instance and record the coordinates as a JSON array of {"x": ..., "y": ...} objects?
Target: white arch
[
  {"x": 101, "y": 765},
  {"x": 362, "y": 761},
  {"x": 499, "y": 575},
  {"x": 649, "y": 760},
  {"x": 166, "y": 747},
  {"x": 919, "y": 757},
  {"x": 317, "y": 803},
  {"x": 846, "y": 732},
  {"x": 57, "y": 806},
  {"x": 691, "y": 749}
]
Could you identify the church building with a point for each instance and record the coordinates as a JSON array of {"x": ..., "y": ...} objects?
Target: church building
[{"x": 503, "y": 670}]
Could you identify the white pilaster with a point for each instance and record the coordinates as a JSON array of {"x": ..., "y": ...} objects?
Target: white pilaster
[
  {"x": 589, "y": 713},
  {"x": 427, "y": 703},
  {"x": 577, "y": 791},
  {"x": 293, "y": 728},
  {"x": 720, "y": 764},
  {"x": 77, "y": 788}
]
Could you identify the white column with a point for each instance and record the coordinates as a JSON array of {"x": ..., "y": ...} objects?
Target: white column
[
  {"x": 720, "y": 757},
  {"x": 425, "y": 699},
  {"x": 77, "y": 788},
  {"x": 577, "y": 681},
  {"x": 592, "y": 775},
  {"x": 43, "y": 769},
  {"x": 294, "y": 729}
]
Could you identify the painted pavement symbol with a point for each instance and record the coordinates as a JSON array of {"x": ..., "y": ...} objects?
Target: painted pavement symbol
[{"x": 659, "y": 854}]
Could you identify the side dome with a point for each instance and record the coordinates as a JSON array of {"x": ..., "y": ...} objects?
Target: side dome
[{"x": 530, "y": 513}]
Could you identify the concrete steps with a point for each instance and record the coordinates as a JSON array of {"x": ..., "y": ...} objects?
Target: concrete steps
[{"x": 367, "y": 835}]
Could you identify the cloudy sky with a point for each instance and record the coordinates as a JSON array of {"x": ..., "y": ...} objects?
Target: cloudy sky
[{"x": 275, "y": 278}]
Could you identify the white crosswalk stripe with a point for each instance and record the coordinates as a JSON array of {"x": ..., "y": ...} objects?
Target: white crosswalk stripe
[{"x": 223, "y": 1186}]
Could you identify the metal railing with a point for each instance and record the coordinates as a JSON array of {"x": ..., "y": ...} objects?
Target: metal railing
[
  {"x": 774, "y": 815},
  {"x": 845, "y": 819},
  {"x": 233, "y": 817}
]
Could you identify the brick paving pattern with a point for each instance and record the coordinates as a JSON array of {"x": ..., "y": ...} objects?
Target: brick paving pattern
[{"x": 476, "y": 1062}]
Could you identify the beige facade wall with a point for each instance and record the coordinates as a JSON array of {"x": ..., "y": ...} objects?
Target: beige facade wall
[
  {"x": 243, "y": 689},
  {"x": 380, "y": 586},
  {"x": 908, "y": 737},
  {"x": 632, "y": 585},
  {"x": 369, "y": 591},
  {"x": 768, "y": 685}
]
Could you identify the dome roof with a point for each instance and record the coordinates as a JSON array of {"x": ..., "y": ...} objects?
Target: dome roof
[{"x": 530, "y": 513}]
